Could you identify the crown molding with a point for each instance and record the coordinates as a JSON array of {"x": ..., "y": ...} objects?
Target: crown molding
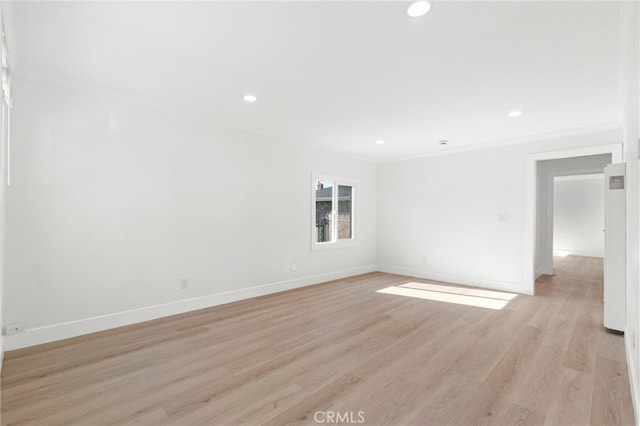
[
  {"x": 512, "y": 141},
  {"x": 35, "y": 76}
]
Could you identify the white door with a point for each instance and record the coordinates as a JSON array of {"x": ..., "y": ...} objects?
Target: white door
[{"x": 614, "y": 247}]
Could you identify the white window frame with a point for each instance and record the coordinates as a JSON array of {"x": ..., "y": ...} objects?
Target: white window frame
[{"x": 337, "y": 181}]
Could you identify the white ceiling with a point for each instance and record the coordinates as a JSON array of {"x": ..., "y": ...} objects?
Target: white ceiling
[{"x": 343, "y": 74}]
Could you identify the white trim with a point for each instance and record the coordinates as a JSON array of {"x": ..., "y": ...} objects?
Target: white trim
[
  {"x": 507, "y": 142},
  {"x": 633, "y": 378},
  {"x": 530, "y": 202},
  {"x": 456, "y": 279},
  {"x": 548, "y": 227},
  {"x": 331, "y": 246},
  {"x": 615, "y": 149},
  {"x": 8, "y": 145},
  {"x": 570, "y": 252},
  {"x": 569, "y": 178},
  {"x": 530, "y": 273},
  {"x": 50, "y": 333}
]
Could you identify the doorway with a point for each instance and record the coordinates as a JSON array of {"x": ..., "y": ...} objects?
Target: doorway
[
  {"x": 548, "y": 171},
  {"x": 541, "y": 170}
]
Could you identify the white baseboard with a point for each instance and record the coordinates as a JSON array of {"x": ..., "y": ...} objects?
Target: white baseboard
[
  {"x": 50, "y": 333},
  {"x": 457, "y": 279},
  {"x": 633, "y": 377},
  {"x": 581, "y": 253}
]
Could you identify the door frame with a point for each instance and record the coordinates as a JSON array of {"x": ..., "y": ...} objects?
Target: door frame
[{"x": 531, "y": 188}]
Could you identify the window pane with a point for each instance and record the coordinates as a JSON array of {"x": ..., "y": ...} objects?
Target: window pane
[
  {"x": 345, "y": 212},
  {"x": 324, "y": 207}
]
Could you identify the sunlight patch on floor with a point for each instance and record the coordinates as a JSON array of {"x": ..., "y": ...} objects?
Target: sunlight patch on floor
[
  {"x": 478, "y": 292},
  {"x": 459, "y": 295}
]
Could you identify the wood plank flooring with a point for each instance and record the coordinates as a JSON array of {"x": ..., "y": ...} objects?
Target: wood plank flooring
[{"x": 341, "y": 348}]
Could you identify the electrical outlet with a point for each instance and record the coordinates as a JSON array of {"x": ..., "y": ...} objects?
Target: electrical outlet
[
  {"x": 294, "y": 267},
  {"x": 15, "y": 328},
  {"x": 184, "y": 283}
]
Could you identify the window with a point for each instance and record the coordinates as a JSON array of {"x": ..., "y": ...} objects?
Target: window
[{"x": 332, "y": 212}]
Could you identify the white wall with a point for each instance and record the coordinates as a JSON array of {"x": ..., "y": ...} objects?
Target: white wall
[
  {"x": 578, "y": 215},
  {"x": 113, "y": 202},
  {"x": 444, "y": 217},
  {"x": 6, "y": 19},
  {"x": 630, "y": 118},
  {"x": 4, "y": 113},
  {"x": 3, "y": 181}
]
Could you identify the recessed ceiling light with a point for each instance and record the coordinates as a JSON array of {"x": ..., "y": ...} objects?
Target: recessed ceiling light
[
  {"x": 250, "y": 98},
  {"x": 418, "y": 8},
  {"x": 443, "y": 142},
  {"x": 380, "y": 141},
  {"x": 515, "y": 113}
]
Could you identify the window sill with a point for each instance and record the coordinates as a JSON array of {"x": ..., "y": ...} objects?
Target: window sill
[{"x": 331, "y": 246}]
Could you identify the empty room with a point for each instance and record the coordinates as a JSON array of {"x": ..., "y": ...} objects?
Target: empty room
[{"x": 320, "y": 212}]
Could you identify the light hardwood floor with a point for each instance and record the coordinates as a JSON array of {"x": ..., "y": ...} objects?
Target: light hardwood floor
[{"x": 340, "y": 347}]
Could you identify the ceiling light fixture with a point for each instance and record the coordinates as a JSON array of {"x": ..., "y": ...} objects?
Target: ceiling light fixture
[
  {"x": 250, "y": 98},
  {"x": 419, "y": 8},
  {"x": 380, "y": 141},
  {"x": 515, "y": 113},
  {"x": 443, "y": 142}
]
